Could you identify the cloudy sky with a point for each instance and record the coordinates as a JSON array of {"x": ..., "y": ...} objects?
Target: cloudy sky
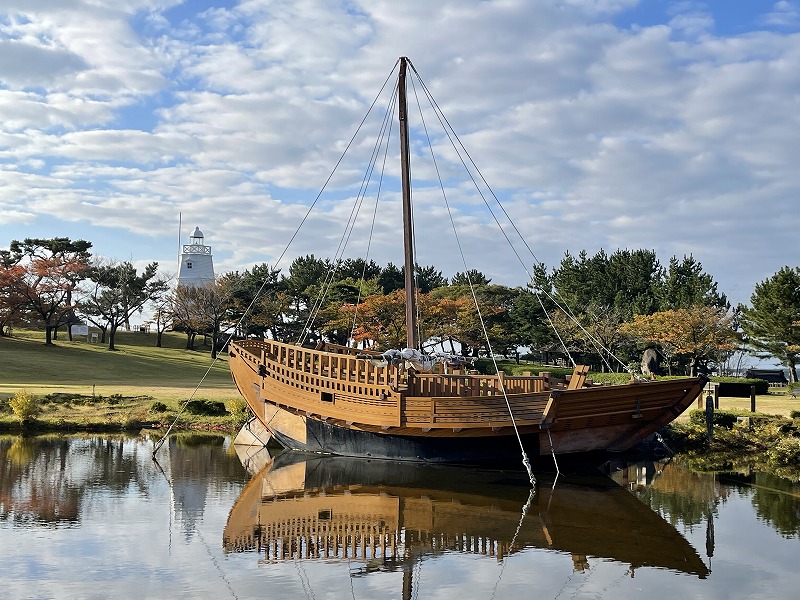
[{"x": 599, "y": 124}]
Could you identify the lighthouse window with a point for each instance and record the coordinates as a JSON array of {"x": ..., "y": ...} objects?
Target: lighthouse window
[{"x": 189, "y": 264}]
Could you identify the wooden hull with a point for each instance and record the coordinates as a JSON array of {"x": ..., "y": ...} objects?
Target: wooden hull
[{"x": 332, "y": 402}]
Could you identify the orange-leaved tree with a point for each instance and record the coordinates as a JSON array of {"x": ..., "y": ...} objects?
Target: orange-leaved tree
[
  {"x": 701, "y": 333},
  {"x": 52, "y": 270}
]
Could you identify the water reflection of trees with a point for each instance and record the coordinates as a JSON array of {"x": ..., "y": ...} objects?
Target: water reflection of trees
[
  {"x": 48, "y": 480},
  {"x": 775, "y": 500},
  {"x": 684, "y": 496},
  {"x": 693, "y": 498}
]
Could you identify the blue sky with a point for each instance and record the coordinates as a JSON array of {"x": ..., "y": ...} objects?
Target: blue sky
[{"x": 601, "y": 124}]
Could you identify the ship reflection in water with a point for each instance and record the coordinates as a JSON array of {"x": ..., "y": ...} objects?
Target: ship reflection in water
[{"x": 387, "y": 516}]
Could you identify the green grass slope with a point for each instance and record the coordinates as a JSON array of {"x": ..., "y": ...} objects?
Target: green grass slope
[{"x": 137, "y": 372}]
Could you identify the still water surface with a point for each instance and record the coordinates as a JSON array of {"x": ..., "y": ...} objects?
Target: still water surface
[{"x": 96, "y": 517}]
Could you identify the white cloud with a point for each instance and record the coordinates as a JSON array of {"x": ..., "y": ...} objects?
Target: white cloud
[{"x": 596, "y": 136}]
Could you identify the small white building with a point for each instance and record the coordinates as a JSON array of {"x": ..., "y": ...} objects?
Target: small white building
[{"x": 196, "y": 264}]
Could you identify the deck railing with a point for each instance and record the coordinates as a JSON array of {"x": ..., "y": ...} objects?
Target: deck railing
[{"x": 353, "y": 389}]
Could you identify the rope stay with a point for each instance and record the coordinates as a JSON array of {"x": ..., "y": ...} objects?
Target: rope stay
[
  {"x": 382, "y": 140},
  {"x": 468, "y": 162},
  {"x": 525, "y": 460},
  {"x": 283, "y": 253}
]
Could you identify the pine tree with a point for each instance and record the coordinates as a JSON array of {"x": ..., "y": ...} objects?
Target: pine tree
[{"x": 772, "y": 324}]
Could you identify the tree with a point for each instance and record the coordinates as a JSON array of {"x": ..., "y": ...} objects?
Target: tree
[
  {"x": 381, "y": 320},
  {"x": 603, "y": 336},
  {"x": 627, "y": 281},
  {"x": 428, "y": 278},
  {"x": 12, "y": 300},
  {"x": 472, "y": 276},
  {"x": 257, "y": 302},
  {"x": 53, "y": 268},
  {"x": 303, "y": 285},
  {"x": 357, "y": 269},
  {"x": 699, "y": 333},
  {"x": 117, "y": 292},
  {"x": 391, "y": 278},
  {"x": 455, "y": 314},
  {"x": 188, "y": 314},
  {"x": 686, "y": 285},
  {"x": 772, "y": 324},
  {"x": 163, "y": 313}
]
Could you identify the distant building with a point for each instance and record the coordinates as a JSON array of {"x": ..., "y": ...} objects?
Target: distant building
[
  {"x": 773, "y": 376},
  {"x": 196, "y": 264}
]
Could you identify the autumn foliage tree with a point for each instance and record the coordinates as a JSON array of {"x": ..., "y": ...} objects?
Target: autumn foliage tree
[
  {"x": 699, "y": 333},
  {"x": 12, "y": 301},
  {"x": 51, "y": 270}
]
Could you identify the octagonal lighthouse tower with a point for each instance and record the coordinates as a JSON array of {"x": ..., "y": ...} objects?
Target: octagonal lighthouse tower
[{"x": 196, "y": 265}]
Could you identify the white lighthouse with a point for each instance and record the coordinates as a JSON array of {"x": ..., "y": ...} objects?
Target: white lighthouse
[{"x": 196, "y": 265}]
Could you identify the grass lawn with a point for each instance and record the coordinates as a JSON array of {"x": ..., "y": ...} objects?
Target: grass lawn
[
  {"x": 120, "y": 387},
  {"x": 778, "y": 402},
  {"x": 132, "y": 377}
]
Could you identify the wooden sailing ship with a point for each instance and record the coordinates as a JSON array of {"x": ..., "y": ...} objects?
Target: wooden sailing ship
[
  {"x": 329, "y": 399},
  {"x": 385, "y": 516}
]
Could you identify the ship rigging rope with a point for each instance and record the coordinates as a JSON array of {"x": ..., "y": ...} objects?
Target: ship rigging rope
[
  {"x": 525, "y": 460},
  {"x": 382, "y": 141},
  {"x": 462, "y": 152},
  {"x": 277, "y": 262}
]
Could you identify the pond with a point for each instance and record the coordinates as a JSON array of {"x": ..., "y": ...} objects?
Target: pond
[{"x": 97, "y": 517}]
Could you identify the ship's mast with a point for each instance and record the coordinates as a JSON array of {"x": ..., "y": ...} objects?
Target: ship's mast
[{"x": 408, "y": 239}]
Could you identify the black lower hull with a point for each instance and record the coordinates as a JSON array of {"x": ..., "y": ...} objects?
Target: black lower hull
[
  {"x": 498, "y": 452},
  {"x": 330, "y": 439}
]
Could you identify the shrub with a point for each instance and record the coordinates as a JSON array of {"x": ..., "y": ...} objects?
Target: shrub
[
  {"x": 795, "y": 414},
  {"x": 240, "y": 412},
  {"x": 209, "y": 408},
  {"x": 722, "y": 418},
  {"x": 158, "y": 407},
  {"x": 786, "y": 452},
  {"x": 25, "y": 405}
]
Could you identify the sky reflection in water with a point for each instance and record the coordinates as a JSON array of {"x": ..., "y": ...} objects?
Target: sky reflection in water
[{"x": 93, "y": 517}]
